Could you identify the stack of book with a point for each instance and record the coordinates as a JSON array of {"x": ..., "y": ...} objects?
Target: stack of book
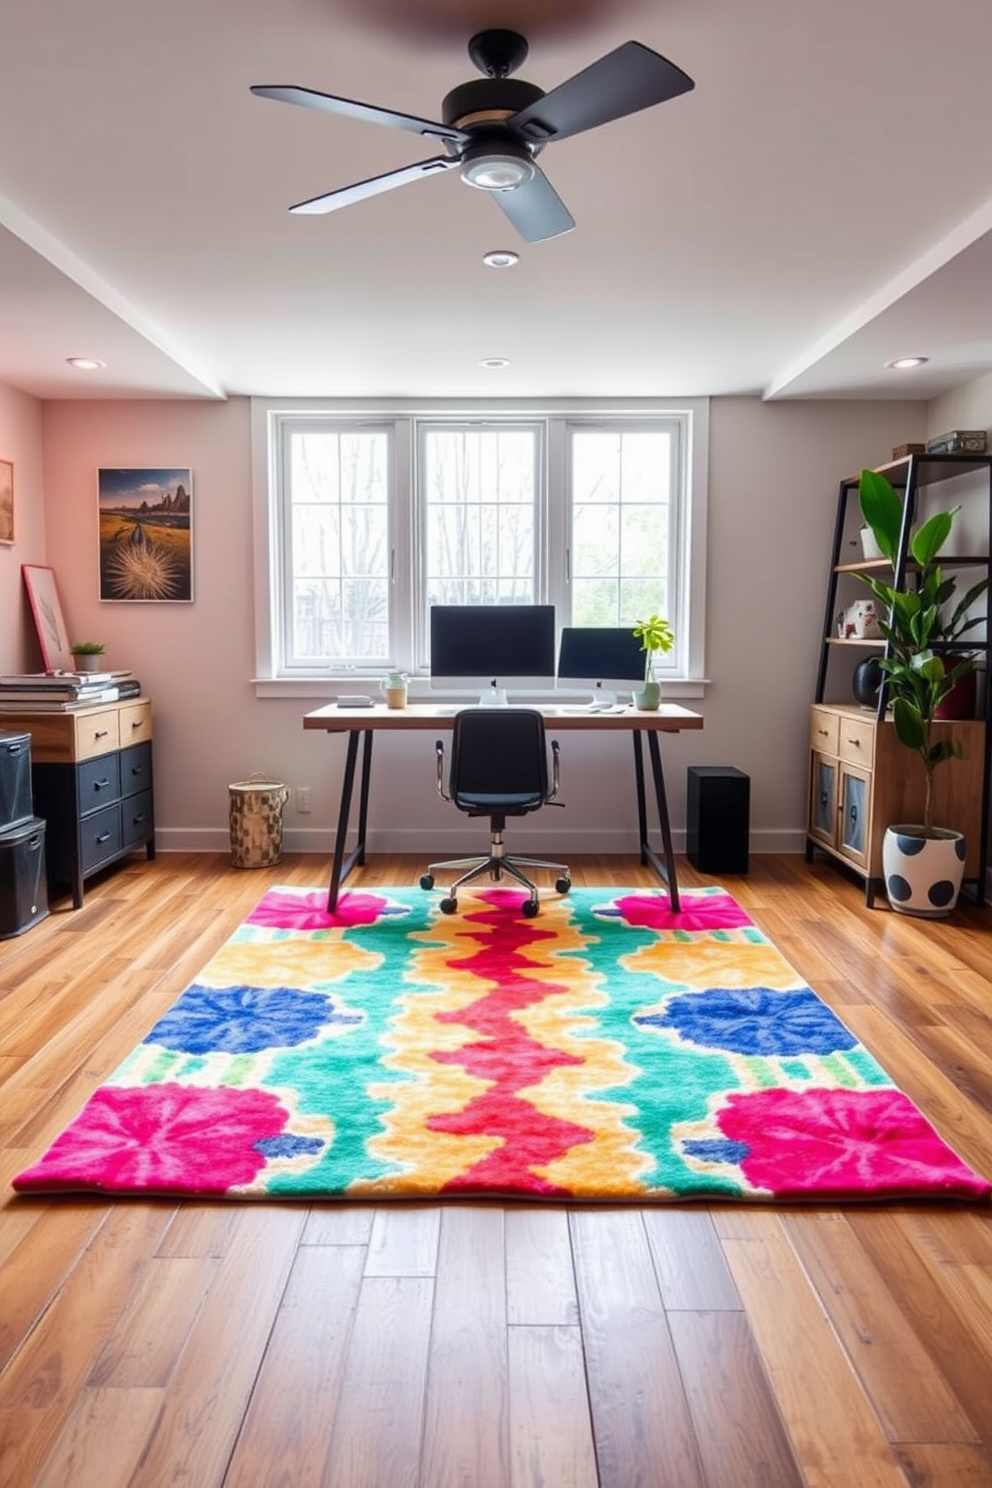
[{"x": 63, "y": 692}]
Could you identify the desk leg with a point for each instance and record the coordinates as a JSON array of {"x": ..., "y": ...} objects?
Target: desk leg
[
  {"x": 665, "y": 870},
  {"x": 340, "y": 866}
]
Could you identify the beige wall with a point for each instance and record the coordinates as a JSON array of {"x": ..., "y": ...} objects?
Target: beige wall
[{"x": 774, "y": 470}]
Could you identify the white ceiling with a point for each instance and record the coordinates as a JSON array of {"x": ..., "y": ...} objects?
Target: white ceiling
[{"x": 819, "y": 204}]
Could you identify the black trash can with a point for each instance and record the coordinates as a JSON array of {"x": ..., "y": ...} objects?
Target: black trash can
[{"x": 23, "y": 880}]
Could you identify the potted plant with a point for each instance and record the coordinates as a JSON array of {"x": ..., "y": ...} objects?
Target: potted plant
[
  {"x": 923, "y": 863},
  {"x": 87, "y": 655},
  {"x": 655, "y": 635}
]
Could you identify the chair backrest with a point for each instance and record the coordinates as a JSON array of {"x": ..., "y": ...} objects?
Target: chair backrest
[{"x": 499, "y": 751}]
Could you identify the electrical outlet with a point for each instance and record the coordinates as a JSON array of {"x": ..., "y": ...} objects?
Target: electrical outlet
[{"x": 303, "y": 798}]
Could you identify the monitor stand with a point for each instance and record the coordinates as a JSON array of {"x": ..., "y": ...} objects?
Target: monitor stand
[
  {"x": 493, "y": 696},
  {"x": 602, "y": 701}
]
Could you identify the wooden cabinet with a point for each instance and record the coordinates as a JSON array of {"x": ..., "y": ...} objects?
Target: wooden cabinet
[
  {"x": 92, "y": 781},
  {"x": 861, "y": 779}
]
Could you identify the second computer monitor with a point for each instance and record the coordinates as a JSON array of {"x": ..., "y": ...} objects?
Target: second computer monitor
[{"x": 610, "y": 658}]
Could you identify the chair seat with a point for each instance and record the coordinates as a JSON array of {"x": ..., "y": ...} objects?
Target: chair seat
[{"x": 485, "y": 801}]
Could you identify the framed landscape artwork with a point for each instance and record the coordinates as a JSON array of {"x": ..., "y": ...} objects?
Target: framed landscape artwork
[
  {"x": 6, "y": 502},
  {"x": 146, "y": 534},
  {"x": 52, "y": 635}
]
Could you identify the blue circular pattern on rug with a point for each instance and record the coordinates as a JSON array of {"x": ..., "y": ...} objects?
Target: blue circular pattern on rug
[
  {"x": 754, "y": 1020},
  {"x": 245, "y": 1020}
]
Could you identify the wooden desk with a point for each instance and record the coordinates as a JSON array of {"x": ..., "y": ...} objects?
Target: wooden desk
[{"x": 361, "y": 724}]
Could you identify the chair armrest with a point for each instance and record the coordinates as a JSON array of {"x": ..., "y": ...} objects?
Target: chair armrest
[
  {"x": 439, "y": 765},
  {"x": 555, "y": 754}
]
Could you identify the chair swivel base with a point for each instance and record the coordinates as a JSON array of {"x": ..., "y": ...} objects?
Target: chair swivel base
[{"x": 497, "y": 865}]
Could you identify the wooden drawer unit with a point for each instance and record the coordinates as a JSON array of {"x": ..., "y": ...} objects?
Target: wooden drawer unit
[
  {"x": 862, "y": 780},
  {"x": 92, "y": 781}
]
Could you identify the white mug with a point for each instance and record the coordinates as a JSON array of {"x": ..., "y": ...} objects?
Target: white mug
[{"x": 393, "y": 689}]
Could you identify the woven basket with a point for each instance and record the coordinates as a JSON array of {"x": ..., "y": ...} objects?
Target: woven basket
[{"x": 255, "y": 809}]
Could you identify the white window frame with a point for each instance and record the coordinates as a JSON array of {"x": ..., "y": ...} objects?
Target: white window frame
[{"x": 553, "y": 522}]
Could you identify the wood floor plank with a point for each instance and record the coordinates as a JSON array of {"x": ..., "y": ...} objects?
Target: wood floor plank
[
  {"x": 550, "y": 1427},
  {"x": 404, "y": 1240},
  {"x": 690, "y": 1266},
  {"x": 928, "y": 1465},
  {"x": 38, "y": 1267},
  {"x": 540, "y": 1283},
  {"x": 212, "y": 1383},
  {"x": 465, "y": 1423},
  {"x": 908, "y": 1393},
  {"x": 149, "y": 1335},
  {"x": 639, "y": 1409},
  {"x": 102, "y": 1439},
  {"x": 742, "y": 1440},
  {"x": 339, "y": 1224},
  {"x": 835, "y": 1435},
  {"x": 287, "y": 1432},
  {"x": 379, "y": 1417}
]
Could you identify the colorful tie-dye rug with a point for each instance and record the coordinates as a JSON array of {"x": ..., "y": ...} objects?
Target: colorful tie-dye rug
[{"x": 607, "y": 1050}]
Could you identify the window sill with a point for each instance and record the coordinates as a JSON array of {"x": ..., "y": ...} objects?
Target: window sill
[{"x": 321, "y": 690}]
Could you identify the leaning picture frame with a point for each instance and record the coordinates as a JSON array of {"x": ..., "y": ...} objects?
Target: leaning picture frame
[
  {"x": 146, "y": 534},
  {"x": 7, "y": 502},
  {"x": 53, "y": 637}
]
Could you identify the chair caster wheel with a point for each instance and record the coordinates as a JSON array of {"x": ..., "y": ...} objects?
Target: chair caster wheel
[
  {"x": 448, "y": 906},
  {"x": 530, "y": 909},
  {"x": 562, "y": 885},
  {"x": 427, "y": 882}
]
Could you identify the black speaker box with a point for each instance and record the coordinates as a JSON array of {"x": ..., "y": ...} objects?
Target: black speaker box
[
  {"x": 15, "y": 780},
  {"x": 718, "y": 818}
]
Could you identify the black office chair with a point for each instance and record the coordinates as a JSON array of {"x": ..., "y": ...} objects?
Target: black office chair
[{"x": 499, "y": 768}]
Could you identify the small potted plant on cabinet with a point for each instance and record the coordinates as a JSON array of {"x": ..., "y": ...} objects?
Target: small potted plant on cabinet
[
  {"x": 923, "y": 864},
  {"x": 655, "y": 636},
  {"x": 87, "y": 655}
]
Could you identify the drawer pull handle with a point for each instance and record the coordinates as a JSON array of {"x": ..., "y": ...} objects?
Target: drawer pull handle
[
  {"x": 101, "y": 733},
  {"x": 137, "y": 725},
  {"x": 855, "y": 742},
  {"x": 104, "y": 837},
  {"x": 137, "y": 820},
  {"x": 100, "y": 785}
]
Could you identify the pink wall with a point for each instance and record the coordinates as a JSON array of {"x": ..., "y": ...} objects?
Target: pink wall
[{"x": 21, "y": 442}]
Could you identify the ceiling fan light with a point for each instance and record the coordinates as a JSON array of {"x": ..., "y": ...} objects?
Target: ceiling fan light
[{"x": 498, "y": 170}]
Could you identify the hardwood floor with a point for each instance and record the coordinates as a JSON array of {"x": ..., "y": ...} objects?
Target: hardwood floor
[{"x": 478, "y": 1345}]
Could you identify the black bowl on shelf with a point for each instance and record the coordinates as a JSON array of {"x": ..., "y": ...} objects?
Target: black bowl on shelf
[{"x": 866, "y": 682}]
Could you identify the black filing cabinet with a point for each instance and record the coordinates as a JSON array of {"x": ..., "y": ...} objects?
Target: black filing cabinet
[{"x": 23, "y": 880}]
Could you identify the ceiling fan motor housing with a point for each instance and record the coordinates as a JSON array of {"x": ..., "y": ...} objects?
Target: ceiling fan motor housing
[{"x": 487, "y": 101}]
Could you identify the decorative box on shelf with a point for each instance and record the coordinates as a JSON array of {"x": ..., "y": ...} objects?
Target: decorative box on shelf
[
  {"x": 902, "y": 450},
  {"x": 959, "y": 442}
]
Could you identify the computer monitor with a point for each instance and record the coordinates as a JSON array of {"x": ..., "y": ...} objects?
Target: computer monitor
[
  {"x": 492, "y": 647},
  {"x": 609, "y": 658}
]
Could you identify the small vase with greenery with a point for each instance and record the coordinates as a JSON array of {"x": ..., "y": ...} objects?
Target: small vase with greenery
[
  {"x": 656, "y": 636},
  {"x": 87, "y": 654}
]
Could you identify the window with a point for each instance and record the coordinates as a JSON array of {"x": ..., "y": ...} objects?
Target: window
[{"x": 364, "y": 520}]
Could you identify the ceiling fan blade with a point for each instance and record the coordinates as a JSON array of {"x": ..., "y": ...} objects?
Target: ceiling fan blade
[
  {"x": 368, "y": 113},
  {"x": 629, "y": 79},
  {"x": 331, "y": 200},
  {"x": 535, "y": 209}
]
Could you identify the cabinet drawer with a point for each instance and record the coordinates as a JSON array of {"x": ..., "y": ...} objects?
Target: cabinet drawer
[
  {"x": 137, "y": 819},
  {"x": 97, "y": 733},
  {"x": 135, "y": 723},
  {"x": 823, "y": 730},
  {"x": 99, "y": 782},
  {"x": 99, "y": 837},
  {"x": 136, "y": 769},
  {"x": 856, "y": 744}
]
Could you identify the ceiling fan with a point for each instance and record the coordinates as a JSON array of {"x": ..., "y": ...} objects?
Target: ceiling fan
[{"x": 495, "y": 127}]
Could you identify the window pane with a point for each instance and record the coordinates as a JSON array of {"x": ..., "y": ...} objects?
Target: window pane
[{"x": 622, "y": 520}]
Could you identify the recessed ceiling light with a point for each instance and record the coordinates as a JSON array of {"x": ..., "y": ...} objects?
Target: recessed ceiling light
[
  {"x": 85, "y": 364},
  {"x": 493, "y": 364},
  {"x": 500, "y": 258},
  {"x": 904, "y": 364}
]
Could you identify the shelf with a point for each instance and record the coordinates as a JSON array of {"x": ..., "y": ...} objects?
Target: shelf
[{"x": 938, "y": 468}]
